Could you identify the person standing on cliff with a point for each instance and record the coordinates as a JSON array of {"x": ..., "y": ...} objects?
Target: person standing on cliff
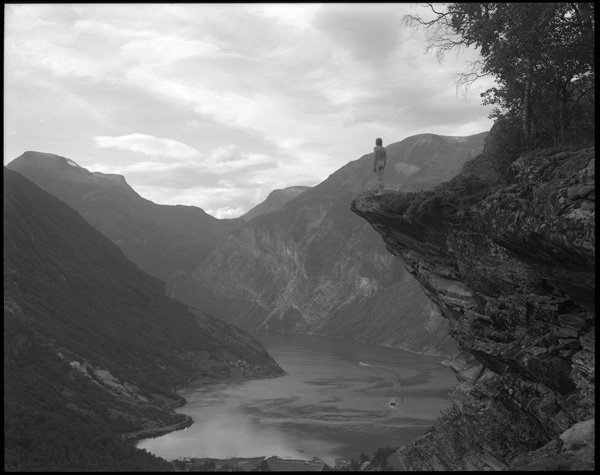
[{"x": 379, "y": 163}]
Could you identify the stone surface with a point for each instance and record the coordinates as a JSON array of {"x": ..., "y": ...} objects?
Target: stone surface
[{"x": 511, "y": 265}]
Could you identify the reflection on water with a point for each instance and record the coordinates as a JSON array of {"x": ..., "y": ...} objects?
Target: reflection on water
[{"x": 335, "y": 400}]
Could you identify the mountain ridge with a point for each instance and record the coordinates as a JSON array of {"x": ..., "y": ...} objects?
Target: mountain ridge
[
  {"x": 93, "y": 347},
  {"x": 261, "y": 279},
  {"x": 311, "y": 266},
  {"x": 275, "y": 200},
  {"x": 164, "y": 240}
]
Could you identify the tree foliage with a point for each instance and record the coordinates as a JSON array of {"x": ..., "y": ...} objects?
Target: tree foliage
[{"x": 540, "y": 54}]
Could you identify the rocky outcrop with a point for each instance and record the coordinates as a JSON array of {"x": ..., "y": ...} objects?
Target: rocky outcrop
[{"x": 511, "y": 266}]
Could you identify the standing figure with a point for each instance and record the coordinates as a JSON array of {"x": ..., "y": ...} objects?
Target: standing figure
[{"x": 379, "y": 163}]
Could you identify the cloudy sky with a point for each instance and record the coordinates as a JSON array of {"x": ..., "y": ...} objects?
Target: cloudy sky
[{"x": 216, "y": 105}]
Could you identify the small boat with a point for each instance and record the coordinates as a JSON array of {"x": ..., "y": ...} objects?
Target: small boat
[{"x": 393, "y": 402}]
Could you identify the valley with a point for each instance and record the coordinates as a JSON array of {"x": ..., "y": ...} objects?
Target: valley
[
  {"x": 333, "y": 402},
  {"x": 93, "y": 347},
  {"x": 299, "y": 237},
  {"x": 310, "y": 266}
]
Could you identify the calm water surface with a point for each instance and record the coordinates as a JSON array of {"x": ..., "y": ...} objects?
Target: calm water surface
[{"x": 333, "y": 402}]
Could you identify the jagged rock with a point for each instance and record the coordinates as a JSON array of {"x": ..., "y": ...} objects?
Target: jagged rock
[
  {"x": 572, "y": 450},
  {"x": 512, "y": 266},
  {"x": 573, "y": 321},
  {"x": 578, "y": 192},
  {"x": 567, "y": 332}
]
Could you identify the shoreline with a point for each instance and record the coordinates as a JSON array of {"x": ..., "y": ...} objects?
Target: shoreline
[
  {"x": 157, "y": 431},
  {"x": 154, "y": 432},
  {"x": 248, "y": 464},
  {"x": 236, "y": 378},
  {"x": 440, "y": 355}
]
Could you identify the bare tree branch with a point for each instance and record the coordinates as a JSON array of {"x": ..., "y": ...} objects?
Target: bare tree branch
[
  {"x": 466, "y": 80},
  {"x": 440, "y": 37}
]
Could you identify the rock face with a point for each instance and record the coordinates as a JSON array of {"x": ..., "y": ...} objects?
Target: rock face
[
  {"x": 275, "y": 200},
  {"x": 510, "y": 264},
  {"x": 92, "y": 345},
  {"x": 313, "y": 266},
  {"x": 165, "y": 241}
]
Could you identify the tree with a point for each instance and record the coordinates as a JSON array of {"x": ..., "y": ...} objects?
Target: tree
[{"x": 541, "y": 55}]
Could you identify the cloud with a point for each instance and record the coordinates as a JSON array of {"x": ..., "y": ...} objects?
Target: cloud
[
  {"x": 229, "y": 101},
  {"x": 167, "y": 49},
  {"x": 222, "y": 182},
  {"x": 148, "y": 145},
  {"x": 369, "y": 33}
]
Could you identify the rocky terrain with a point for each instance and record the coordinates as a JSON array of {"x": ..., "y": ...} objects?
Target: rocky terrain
[
  {"x": 313, "y": 266},
  {"x": 509, "y": 259},
  {"x": 93, "y": 347}
]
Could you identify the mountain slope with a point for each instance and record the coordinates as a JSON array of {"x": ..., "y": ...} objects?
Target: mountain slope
[
  {"x": 92, "y": 343},
  {"x": 313, "y": 266},
  {"x": 166, "y": 241},
  {"x": 275, "y": 200}
]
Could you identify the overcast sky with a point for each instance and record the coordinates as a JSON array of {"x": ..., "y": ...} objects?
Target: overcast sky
[{"x": 216, "y": 105}]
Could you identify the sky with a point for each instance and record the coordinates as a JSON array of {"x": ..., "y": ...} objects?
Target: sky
[{"x": 216, "y": 105}]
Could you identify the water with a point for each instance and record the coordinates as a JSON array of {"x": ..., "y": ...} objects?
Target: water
[{"x": 333, "y": 402}]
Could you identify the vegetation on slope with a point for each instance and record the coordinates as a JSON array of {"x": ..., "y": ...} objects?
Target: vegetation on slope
[{"x": 93, "y": 347}]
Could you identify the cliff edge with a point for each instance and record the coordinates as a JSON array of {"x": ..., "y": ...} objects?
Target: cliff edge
[{"x": 509, "y": 259}]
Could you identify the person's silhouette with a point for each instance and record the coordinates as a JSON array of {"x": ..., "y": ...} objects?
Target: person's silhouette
[{"x": 379, "y": 163}]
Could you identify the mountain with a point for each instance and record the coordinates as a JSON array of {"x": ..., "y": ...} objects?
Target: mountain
[
  {"x": 92, "y": 346},
  {"x": 508, "y": 254},
  {"x": 275, "y": 200},
  {"x": 165, "y": 241},
  {"x": 313, "y": 266}
]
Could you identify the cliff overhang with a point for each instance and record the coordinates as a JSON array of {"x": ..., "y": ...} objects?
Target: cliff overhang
[{"x": 511, "y": 264}]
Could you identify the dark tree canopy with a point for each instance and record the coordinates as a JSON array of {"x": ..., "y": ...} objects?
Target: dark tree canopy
[{"x": 540, "y": 54}]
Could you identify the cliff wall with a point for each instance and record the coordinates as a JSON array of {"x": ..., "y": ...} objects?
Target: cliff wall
[{"x": 510, "y": 263}]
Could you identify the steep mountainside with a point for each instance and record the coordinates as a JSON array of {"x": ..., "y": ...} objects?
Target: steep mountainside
[
  {"x": 92, "y": 346},
  {"x": 275, "y": 200},
  {"x": 313, "y": 266},
  {"x": 166, "y": 241},
  {"x": 511, "y": 264}
]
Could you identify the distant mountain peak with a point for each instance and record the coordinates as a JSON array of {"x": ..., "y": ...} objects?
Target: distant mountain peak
[
  {"x": 45, "y": 163},
  {"x": 44, "y": 159},
  {"x": 275, "y": 200},
  {"x": 165, "y": 241}
]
